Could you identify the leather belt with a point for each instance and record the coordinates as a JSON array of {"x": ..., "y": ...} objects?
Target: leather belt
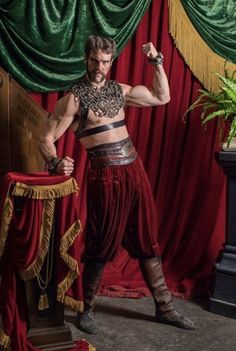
[
  {"x": 118, "y": 153},
  {"x": 86, "y": 132}
]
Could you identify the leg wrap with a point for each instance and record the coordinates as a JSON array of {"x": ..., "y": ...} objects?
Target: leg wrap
[
  {"x": 91, "y": 279},
  {"x": 165, "y": 310},
  {"x": 153, "y": 275}
]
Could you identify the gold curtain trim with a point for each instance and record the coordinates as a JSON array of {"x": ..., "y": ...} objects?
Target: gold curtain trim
[
  {"x": 91, "y": 348},
  {"x": 41, "y": 192},
  {"x": 5, "y": 223},
  {"x": 202, "y": 61},
  {"x": 45, "y": 236},
  {"x": 73, "y": 304},
  {"x": 66, "y": 241},
  {"x": 5, "y": 341}
]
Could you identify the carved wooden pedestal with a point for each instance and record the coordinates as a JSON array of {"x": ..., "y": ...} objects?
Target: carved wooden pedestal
[
  {"x": 223, "y": 300},
  {"x": 46, "y": 328}
]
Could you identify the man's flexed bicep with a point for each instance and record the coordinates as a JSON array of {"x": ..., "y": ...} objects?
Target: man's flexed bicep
[{"x": 159, "y": 93}]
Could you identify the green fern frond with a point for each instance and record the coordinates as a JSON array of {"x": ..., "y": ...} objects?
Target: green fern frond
[
  {"x": 221, "y": 105},
  {"x": 218, "y": 113},
  {"x": 207, "y": 94},
  {"x": 231, "y": 95},
  {"x": 231, "y": 83}
]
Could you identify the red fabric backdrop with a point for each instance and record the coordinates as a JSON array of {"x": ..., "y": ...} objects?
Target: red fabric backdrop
[{"x": 188, "y": 184}]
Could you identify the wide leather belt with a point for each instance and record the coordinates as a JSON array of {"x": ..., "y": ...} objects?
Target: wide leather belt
[{"x": 118, "y": 153}]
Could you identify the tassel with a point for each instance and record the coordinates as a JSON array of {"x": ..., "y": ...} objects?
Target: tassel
[{"x": 43, "y": 302}]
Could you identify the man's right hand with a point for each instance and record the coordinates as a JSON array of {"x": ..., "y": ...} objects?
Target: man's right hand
[{"x": 65, "y": 166}]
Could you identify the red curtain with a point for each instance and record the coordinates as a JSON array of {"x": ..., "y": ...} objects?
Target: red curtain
[{"x": 187, "y": 182}]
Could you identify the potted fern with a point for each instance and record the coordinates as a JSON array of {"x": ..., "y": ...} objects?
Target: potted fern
[{"x": 221, "y": 105}]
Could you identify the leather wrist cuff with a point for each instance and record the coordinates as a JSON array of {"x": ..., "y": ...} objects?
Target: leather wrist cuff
[
  {"x": 158, "y": 60},
  {"x": 52, "y": 164}
]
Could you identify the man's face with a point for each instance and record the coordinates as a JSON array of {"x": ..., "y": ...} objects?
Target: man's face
[{"x": 98, "y": 65}]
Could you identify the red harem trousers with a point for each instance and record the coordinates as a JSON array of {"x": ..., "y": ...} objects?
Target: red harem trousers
[{"x": 120, "y": 211}]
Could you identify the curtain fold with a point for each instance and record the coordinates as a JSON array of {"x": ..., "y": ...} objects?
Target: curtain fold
[{"x": 42, "y": 42}]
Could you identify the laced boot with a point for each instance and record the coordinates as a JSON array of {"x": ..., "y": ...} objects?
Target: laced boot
[
  {"x": 165, "y": 310},
  {"x": 91, "y": 279}
]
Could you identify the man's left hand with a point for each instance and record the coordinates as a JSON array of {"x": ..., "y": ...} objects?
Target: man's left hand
[{"x": 149, "y": 50}]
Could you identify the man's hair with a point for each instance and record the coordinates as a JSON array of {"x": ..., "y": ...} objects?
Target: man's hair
[{"x": 95, "y": 43}]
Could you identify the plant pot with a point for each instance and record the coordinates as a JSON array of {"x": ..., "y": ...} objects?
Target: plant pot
[{"x": 232, "y": 145}]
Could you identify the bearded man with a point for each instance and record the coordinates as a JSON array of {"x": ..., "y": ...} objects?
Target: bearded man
[{"x": 120, "y": 205}]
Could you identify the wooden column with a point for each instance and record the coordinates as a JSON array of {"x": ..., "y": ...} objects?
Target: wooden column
[{"x": 223, "y": 300}]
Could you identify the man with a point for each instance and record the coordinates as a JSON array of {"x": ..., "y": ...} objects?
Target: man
[{"x": 121, "y": 208}]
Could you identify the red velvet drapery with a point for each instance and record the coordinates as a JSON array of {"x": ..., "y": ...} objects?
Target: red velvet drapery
[
  {"x": 25, "y": 237},
  {"x": 188, "y": 184}
]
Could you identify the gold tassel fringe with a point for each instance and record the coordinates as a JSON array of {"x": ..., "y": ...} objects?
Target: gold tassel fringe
[
  {"x": 45, "y": 235},
  {"x": 202, "y": 61},
  {"x": 5, "y": 341},
  {"x": 5, "y": 223},
  {"x": 66, "y": 241},
  {"x": 90, "y": 347},
  {"x": 74, "y": 305},
  {"x": 42, "y": 192}
]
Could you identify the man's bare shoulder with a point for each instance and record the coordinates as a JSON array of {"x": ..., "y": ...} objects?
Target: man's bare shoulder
[
  {"x": 67, "y": 106},
  {"x": 125, "y": 88}
]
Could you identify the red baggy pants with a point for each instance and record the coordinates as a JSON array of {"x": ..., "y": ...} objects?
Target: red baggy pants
[{"x": 120, "y": 211}]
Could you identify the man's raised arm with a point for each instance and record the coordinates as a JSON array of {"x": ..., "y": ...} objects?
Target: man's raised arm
[{"x": 159, "y": 93}]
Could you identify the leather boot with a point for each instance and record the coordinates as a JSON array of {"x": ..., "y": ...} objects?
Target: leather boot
[
  {"x": 92, "y": 276},
  {"x": 165, "y": 310}
]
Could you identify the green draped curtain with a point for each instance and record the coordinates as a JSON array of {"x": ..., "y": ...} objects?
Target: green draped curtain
[
  {"x": 42, "y": 41},
  {"x": 204, "y": 31},
  {"x": 215, "y": 21}
]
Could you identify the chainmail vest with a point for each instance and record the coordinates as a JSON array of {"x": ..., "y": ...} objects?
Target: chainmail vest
[{"x": 105, "y": 102}]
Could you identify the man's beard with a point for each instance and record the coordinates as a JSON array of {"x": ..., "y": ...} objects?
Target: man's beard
[{"x": 92, "y": 74}]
